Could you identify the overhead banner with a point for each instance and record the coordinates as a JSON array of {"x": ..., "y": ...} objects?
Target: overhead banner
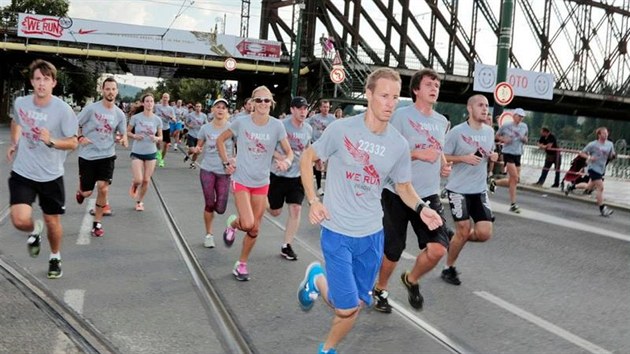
[
  {"x": 525, "y": 83},
  {"x": 144, "y": 37}
]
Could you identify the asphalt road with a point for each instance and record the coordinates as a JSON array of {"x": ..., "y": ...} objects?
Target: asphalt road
[{"x": 553, "y": 279}]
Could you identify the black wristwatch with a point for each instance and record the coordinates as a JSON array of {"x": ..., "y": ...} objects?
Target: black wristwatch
[
  {"x": 226, "y": 164},
  {"x": 51, "y": 144}
]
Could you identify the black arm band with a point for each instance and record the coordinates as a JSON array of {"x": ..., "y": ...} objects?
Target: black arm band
[{"x": 420, "y": 205}]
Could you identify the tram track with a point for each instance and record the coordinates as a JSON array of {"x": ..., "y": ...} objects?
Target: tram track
[
  {"x": 82, "y": 333},
  {"x": 227, "y": 328}
]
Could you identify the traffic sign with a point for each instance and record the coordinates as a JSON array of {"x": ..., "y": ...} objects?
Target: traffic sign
[
  {"x": 503, "y": 93},
  {"x": 337, "y": 75},
  {"x": 337, "y": 60},
  {"x": 506, "y": 117},
  {"x": 259, "y": 49},
  {"x": 230, "y": 64}
]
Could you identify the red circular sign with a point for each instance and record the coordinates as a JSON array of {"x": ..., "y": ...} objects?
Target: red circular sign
[
  {"x": 503, "y": 94},
  {"x": 230, "y": 64},
  {"x": 337, "y": 75},
  {"x": 505, "y": 117}
]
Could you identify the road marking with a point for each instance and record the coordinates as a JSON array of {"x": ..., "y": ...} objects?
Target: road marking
[
  {"x": 583, "y": 343},
  {"x": 86, "y": 225},
  {"x": 74, "y": 299},
  {"x": 571, "y": 224},
  {"x": 4, "y": 213}
]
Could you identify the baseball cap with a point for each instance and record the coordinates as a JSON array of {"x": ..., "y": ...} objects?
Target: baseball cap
[
  {"x": 519, "y": 112},
  {"x": 219, "y": 100},
  {"x": 299, "y": 101}
]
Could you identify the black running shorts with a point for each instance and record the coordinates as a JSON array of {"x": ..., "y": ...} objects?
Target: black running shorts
[
  {"x": 396, "y": 215},
  {"x": 475, "y": 206},
  {"x": 51, "y": 194},
  {"x": 91, "y": 171},
  {"x": 284, "y": 189}
]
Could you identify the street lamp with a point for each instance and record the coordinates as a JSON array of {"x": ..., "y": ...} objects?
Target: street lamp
[{"x": 295, "y": 71}]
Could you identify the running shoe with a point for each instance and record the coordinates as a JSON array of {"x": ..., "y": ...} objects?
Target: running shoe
[
  {"x": 606, "y": 211},
  {"x": 307, "y": 292},
  {"x": 287, "y": 252},
  {"x": 139, "y": 206},
  {"x": 161, "y": 163},
  {"x": 192, "y": 166},
  {"x": 515, "y": 209},
  {"x": 158, "y": 155},
  {"x": 107, "y": 211},
  {"x": 175, "y": 146},
  {"x": 492, "y": 185},
  {"x": 413, "y": 290},
  {"x": 97, "y": 230},
  {"x": 450, "y": 276},
  {"x": 230, "y": 233},
  {"x": 80, "y": 198},
  {"x": 34, "y": 241},
  {"x": 320, "y": 192},
  {"x": 54, "y": 268},
  {"x": 186, "y": 158},
  {"x": 382, "y": 304},
  {"x": 208, "y": 241},
  {"x": 240, "y": 271},
  {"x": 329, "y": 351},
  {"x": 570, "y": 187}
]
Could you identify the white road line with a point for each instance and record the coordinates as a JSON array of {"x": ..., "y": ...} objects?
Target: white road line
[
  {"x": 86, "y": 224},
  {"x": 571, "y": 224},
  {"x": 74, "y": 298},
  {"x": 583, "y": 343},
  {"x": 4, "y": 214}
]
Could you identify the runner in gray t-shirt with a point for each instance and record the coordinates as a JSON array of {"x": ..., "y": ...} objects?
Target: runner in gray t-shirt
[
  {"x": 513, "y": 135},
  {"x": 42, "y": 130},
  {"x": 362, "y": 152},
  {"x": 166, "y": 112},
  {"x": 597, "y": 153},
  {"x": 194, "y": 121},
  {"x": 424, "y": 130},
  {"x": 469, "y": 146},
  {"x": 145, "y": 129},
  {"x": 98, "y": 125},
  {"x": 215, "y": 181},
  {"x": 256, "y": 138},
  {"x": 286, "y": 186},
  {"x": 320, "y": 122}
]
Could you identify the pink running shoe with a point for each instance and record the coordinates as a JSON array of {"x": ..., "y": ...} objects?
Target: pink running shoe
[
  {"x": 240, "y": 271},
  {"x": 230, "y": 233}
]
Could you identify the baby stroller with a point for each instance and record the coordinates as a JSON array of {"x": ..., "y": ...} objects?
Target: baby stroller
[{"x": 574, "y": 175}]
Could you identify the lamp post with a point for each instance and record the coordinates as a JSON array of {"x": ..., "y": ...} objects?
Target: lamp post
[{"x": 295, "y": 71}]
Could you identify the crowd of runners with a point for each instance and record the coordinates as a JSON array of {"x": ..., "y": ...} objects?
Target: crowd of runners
[{"x": 383, "y": 168}]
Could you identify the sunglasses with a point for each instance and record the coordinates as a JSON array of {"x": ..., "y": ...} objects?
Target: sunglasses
[{"x": 262, "y": 99}]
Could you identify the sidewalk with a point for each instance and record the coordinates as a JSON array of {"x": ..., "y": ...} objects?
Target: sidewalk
[{"x": 616, "y": 191}]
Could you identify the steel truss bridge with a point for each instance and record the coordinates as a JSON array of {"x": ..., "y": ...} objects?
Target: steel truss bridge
[{"x": 583, "y": 43}]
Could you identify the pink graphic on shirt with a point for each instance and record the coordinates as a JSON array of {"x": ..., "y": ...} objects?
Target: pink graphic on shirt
[
  {"x": 105, "y": 128},
  {"x": 33, "y": 134},
  {"x": 295, "y": 142},
  {"x": 255, "y": 145},
  {"x": 471, "y": 141},
  {"x": 432, "y": 143},
  {"x": 362, "y": 157},
  {"x": 146, "y": 130}
]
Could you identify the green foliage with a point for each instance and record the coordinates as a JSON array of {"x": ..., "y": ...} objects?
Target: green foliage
[
  {"x": 41, "y": 7},
  {"x": 188, "y": 90}
]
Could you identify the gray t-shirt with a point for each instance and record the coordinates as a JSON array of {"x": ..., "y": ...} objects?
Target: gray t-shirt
[
  {"x": 319, "y": 124},
  {"x": 601, "y": 153},
  {"x": 359, "y": 164},
  {"x": 34, "y": 160},
  {"x": 422, "y": 132},
  {"x": 464, "y": 140},
  {"x": 255, "y": 146},
  {"x": 299, "y": 139},
  {"x": 165, "y": 112},
  {"x": 211, "y": 160},
  {"x": 515, "y": 132},
  {"x": 194, "y": 123},
  {"x": 99, "y": 125},
  {"x": 147, "y": 127}
]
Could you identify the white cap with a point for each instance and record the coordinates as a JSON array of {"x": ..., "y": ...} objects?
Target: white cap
[{"x": 519, "y": 112}]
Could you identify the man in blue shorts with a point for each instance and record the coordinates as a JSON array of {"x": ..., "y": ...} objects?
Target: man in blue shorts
[{"x": 363, "y": 153}]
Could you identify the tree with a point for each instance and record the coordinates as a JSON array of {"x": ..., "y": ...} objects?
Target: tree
[{"x": 41, "y": 7}]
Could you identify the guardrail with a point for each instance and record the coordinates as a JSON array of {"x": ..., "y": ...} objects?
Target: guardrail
[{"x": 535, "y": 157}]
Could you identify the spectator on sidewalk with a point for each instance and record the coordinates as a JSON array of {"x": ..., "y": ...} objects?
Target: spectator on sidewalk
[{"x": 549, "y": 143}]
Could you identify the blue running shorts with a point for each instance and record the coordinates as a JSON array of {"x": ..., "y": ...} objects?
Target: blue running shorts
[{"x": 352, "y": 264}]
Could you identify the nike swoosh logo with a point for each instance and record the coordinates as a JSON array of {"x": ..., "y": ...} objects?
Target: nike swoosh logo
[{"x": 82, "y": 31}]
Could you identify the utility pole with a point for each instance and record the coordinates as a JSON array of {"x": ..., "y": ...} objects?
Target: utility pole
[
  {"x": 295, "y": 71},
  {"x": 504, "y": 46}
]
